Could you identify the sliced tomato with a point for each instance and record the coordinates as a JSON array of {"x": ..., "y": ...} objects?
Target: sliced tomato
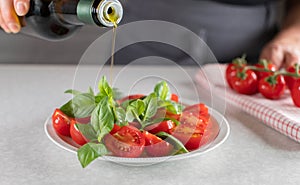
[
  {"x": 199, "y": 110},
  {"x": 126, "y": 142},
  {"x": 163, "y": 113},
  {"x": 190, "y": 130},
  {"x": 155, "y": 146},
  {"x": 295, "y": 92},
  {"x": 76, "y": 135},
  {"x": 61, "y": 123},
  {"x": 115, "y": 129},
  {"x": 164, "y": 126},
  {"x": 130, "y": 97},
  {"x": 174, "y": 98}
]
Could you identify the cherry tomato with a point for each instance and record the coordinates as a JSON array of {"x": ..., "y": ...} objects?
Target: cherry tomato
[
  {"x": 174, "y": 98},
  {"x": 164, "y": 126},
  {"x": 295, "y": 92},
  {"x": 272, "y": 88},
  {"x": 289, "y": 79},
  {"x": 61, "y": 122},
  {"x": 155, "y": 146},
  {"x": 198, "y": 110},
  {"x": 130, "y": 97},
  {"x": 247, "y": 83},
  {"x": 231, "y": 71},
  {"x": 190, "y": 130},
  {"x": 126, "y": 142},
  {"x": 262, "y": 74},
  {"x": 76, "y": 135}
]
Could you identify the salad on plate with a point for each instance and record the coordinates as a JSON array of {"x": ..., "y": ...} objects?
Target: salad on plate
[{"x": 136, "y": 126}]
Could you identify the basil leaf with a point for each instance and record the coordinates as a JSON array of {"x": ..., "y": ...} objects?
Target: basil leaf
[
  {"x": 72, "y": 91},
  {"x": 67, "y": 109},
  {"x": 120, "y": 116},
  {"x": 83, "y": 105},
  {"x": 87, "y": 130},
  {"x": 102, "y": 118},
  {"x": 162, "y": 91},
  {"x": 134, "y": 110},
  {"x": 89, "y": 152},
  {"x": 171, "y": 106},
  {"x": 117, "y": 94},
  {"x": 91, "y": 91},
  {"x": 104, "y": 88},
  {"x": 150, "y": 103},
  {"x": 173, "y": 140}
]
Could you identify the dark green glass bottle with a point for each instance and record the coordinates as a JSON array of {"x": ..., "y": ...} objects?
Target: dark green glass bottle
[{"x": 58, "y": 19}]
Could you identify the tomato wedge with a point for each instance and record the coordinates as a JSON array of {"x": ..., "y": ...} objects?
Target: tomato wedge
[
  {"x": 61, "y": 123},
  {"x": 199, "y": 110},
  {"x": 190, "y": 130},
  {"x": 164, "y": 126},
  {"x": 76, "y": 135},
  {"x": 126, "y": 142},
  {"x": 155, "y": 146},
  {"x": 174, "y": 98}
]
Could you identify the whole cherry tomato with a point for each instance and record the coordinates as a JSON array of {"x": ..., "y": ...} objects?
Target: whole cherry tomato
[
  {"x": 295, "y": 92},
  {"x": 272, "y": 87},
  {"x": 262, "y": 64},
  {"x": 126, "y": 142},
  {"x": 164, "y": 126},
  {"x": 76, "y": 135},
  {"x": 231, "y": 72},
  {"x": 190, "y": 130},
  {"x": 155, "y": 146},
  {"x": 61, "y": 123},
  {"x": 232, "y": 68},
  {"x": 289, "y": 79},
  {"x": 245, "y": 82}
]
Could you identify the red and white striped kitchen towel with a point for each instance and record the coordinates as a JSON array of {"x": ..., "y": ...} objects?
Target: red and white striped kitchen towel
[{"x": 280, "y": 115}]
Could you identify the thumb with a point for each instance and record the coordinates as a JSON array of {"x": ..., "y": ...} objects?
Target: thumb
[
  {"x": 21, "y": 7},
  {"x": 291, "y": 59}
]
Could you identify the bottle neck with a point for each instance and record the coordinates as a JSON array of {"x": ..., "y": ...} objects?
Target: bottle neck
[{"x": 107, "y": 13}]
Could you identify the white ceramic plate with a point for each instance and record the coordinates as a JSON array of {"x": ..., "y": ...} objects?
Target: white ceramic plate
[{"x": 219, "y": 127}]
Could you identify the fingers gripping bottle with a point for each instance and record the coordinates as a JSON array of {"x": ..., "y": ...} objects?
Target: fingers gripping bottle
[{"x": 58, "y": 19}]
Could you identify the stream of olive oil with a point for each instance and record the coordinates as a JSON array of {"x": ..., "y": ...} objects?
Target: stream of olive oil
[{"x": 112, "y": 17}]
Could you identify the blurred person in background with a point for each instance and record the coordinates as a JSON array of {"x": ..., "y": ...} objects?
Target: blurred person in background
[{"x": 268, "y": 29}]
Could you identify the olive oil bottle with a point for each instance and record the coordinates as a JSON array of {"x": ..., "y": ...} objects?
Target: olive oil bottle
[{"x": 58, "y": 19}]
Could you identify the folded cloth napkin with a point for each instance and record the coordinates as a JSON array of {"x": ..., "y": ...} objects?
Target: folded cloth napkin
[{"x": 281, "y": 115}]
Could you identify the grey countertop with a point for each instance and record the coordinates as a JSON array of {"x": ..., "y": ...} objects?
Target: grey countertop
[{"x": 253, "y": 153}]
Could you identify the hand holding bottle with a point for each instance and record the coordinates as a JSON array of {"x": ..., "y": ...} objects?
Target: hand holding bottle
[{"x": 9, "y": 12}]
